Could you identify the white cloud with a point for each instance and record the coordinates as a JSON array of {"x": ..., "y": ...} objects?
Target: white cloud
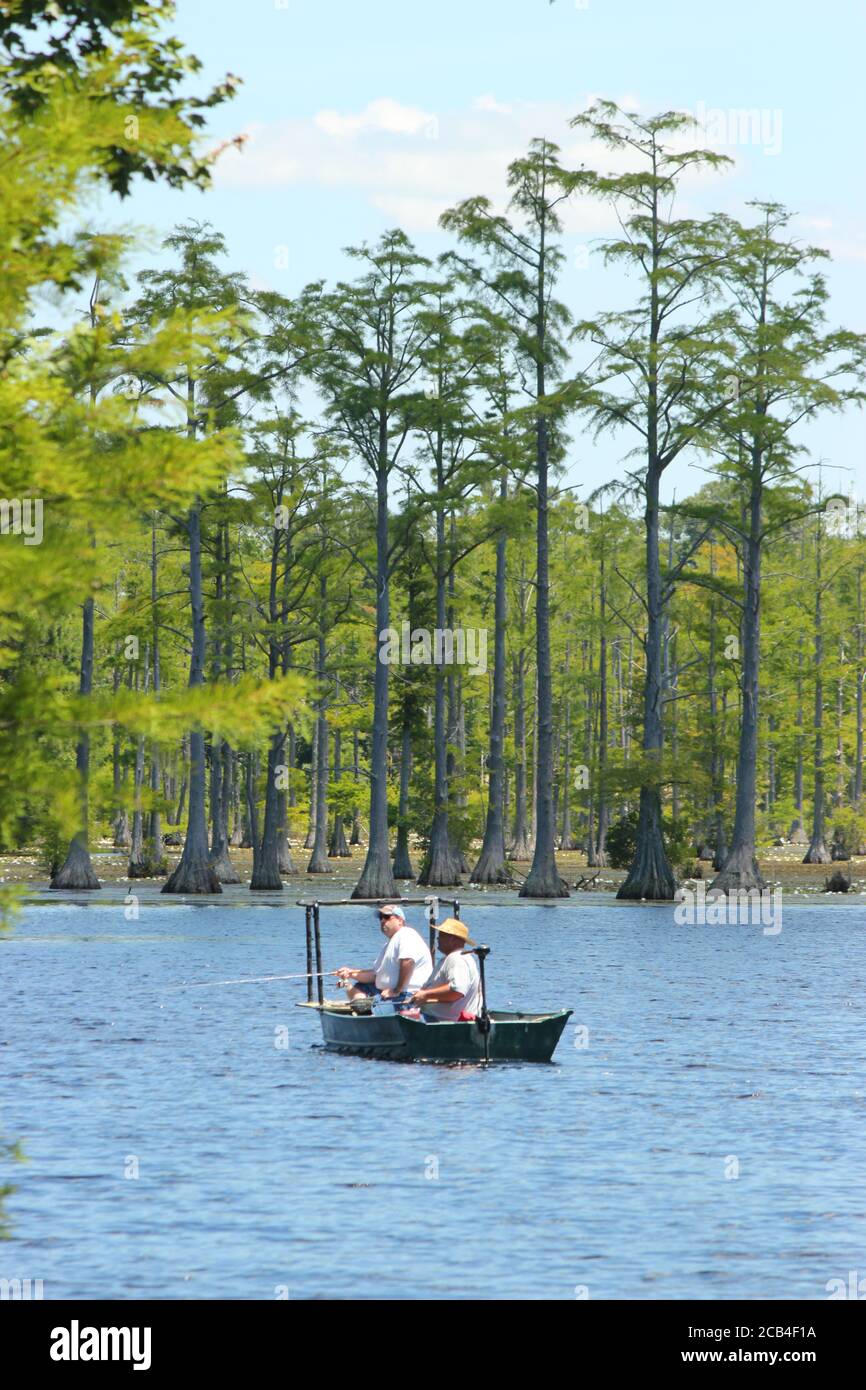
[
  {"x": 382, "y": 115},
  {"x": 851, "y": 250},
  {"x": 488, "y": 102},
  {"x": 412, "y": 164}
]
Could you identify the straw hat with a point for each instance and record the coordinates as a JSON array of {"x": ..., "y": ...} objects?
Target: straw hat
[{"x": 453, "y": 927}]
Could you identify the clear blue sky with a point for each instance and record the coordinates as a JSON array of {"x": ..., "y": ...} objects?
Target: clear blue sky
[{"x": 362, "y": 116}]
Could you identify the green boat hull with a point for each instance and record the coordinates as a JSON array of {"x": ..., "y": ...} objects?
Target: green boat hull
[{"x": 513, "y": 1037}]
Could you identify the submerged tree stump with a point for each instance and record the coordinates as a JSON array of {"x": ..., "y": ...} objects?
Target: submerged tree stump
[{"x": 838, "y": 882}]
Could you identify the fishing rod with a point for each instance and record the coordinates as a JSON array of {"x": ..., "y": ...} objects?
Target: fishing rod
[{"x": 251, "y": 980}]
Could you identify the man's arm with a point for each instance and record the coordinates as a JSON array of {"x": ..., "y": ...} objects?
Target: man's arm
[
  {"x": 440, "y": 994},
  {"x": 406, "y": 968},
  {"x": 346, "y": 972}
]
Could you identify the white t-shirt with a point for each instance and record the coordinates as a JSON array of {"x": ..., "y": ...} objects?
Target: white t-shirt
[
  {"x": 405, "y": 944},
  {"x": 459, "y": 972}
]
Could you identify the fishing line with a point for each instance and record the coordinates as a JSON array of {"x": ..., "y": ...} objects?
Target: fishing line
[{"x": 251, "y": 980}]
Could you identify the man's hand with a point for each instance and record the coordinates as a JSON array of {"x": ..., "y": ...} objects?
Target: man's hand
[
  {"x": 346, "y": 972},
  {"x": 387, "y": 994},
  {"x": 443, "y": 994}
]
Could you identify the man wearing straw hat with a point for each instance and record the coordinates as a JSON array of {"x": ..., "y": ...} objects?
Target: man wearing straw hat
[{"x": 453, "y": 991}]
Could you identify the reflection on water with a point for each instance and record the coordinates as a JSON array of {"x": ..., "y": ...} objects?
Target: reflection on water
[{"x": 698, "y": 1136}]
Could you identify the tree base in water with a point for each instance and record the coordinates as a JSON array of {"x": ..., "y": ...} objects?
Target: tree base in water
[
  {"x": 121, "y": 832},
  {"x": 817, "y": 853},
  {"x": 441, "y": 871},
  {"x": 650, "y": 877},
  {"x": 540, "y": 886},
  {"x": 377, "y": 879},
  {"x": 77, "y": 871},
  {"x": 225, "y": 869},
  {"x": 266, "y": 880},
  {"x": 197, "y": 877},
  {"x": 522, "y": 849},
  {"x": 338, "y": 848},
  {"x": 492, "y": 867},
  {"x": 739, "y": 875},
  {"x": 443, "y": 864},
  {"x": 403, "y": 867},
  {"x": 544, "y": 880}
]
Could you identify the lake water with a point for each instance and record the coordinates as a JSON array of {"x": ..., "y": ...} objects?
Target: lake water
[{"x": 265, "y": 1170}]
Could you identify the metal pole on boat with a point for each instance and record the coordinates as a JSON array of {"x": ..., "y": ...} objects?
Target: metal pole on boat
[
  {"x": 432, "y": 919},
  {"x": 318, "y": 937},
  {"x": 307, "y": 912},
  {"x": 482, "y": 952}
]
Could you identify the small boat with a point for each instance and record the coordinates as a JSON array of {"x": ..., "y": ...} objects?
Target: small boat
[
  {"x": 511, "y": 1037},
  {"x": 365, "y": 1031}
]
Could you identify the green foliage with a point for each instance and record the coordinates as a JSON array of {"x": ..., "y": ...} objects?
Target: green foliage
[{"x": 622, "y": 840}]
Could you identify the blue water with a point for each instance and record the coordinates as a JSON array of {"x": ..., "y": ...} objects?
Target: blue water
[{"x": 266, "y": 1171}]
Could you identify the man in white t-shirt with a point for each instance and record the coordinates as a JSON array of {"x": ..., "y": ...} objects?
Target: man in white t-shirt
[
  {"x": 403, "y": 963},
  {"x": 454, "y": 988}
]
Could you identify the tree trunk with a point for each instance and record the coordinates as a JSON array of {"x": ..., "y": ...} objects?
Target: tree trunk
[
  {"x": 817, "y": 853},
  {"x": 717, "y": 824},
  {"x": 121, "y": 829},
  {"x": 521, "y": 847},
  {"x": 857, "y": 791},
  {"x": 184, "y": 781},
  {"x": 121, "y": 818},
  {"x": 441, "y": 867},
  {"x": 318, "y": 863},
  {"x": 266, "y": 852},
  {"x": 356, "y": 772},
  {"x": 319, "y": 858},
  {"x": 377, "y": 878},
  {"x": 314, "y": 789},
  {"x": 402, "y": 863},
  {"x": 741, "y": 872},
  {"x": 137, "y": 864},
  {"x": 797, "y": 833},
  {"x": 193, "y": 873},
  {"x": 601, "y": 762},
  {"x": 77, "y": 870},
  {"x": 267, "y": 865},
  {"x": 252, "y": 810},
  {"x": 650, "y": 875},
  {"x": 219, "y": 850},
  {"x": 492, "y": 866},
  {"x": 543, "y": 880},
  {"x": 839, "y": 793},
  {"x": 337, "y": 848}
]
